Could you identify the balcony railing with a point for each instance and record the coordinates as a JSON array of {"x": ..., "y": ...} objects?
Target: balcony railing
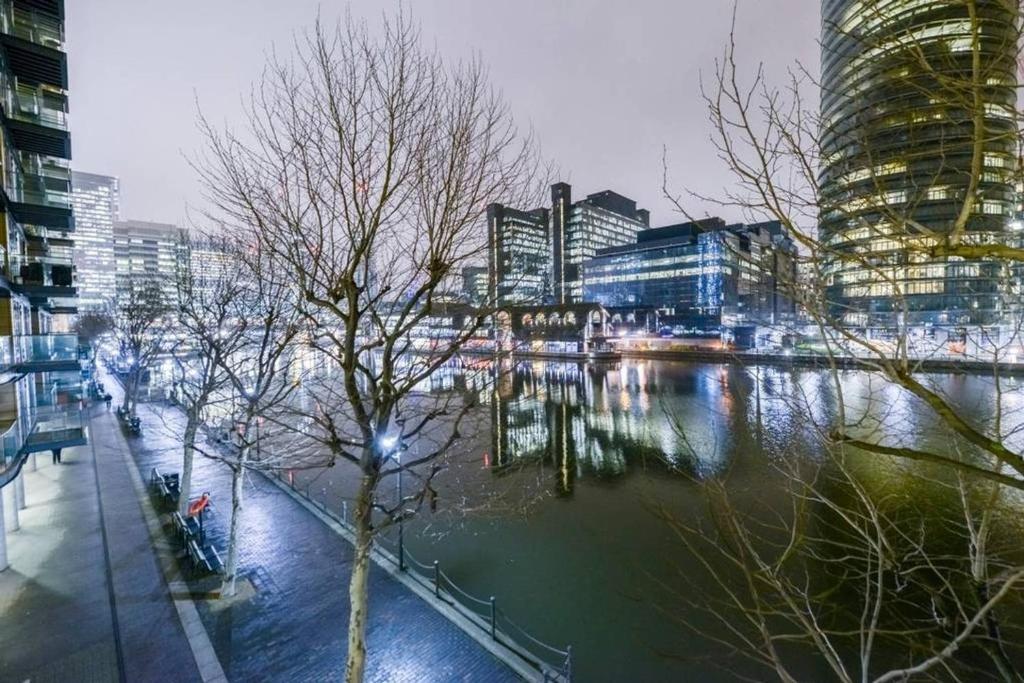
[
  {"x": 37, "y": 105},
  {"x": 41, "y": 180},
  {"x": 44, "y": 348},
  {"x": 35, "y": 27}
]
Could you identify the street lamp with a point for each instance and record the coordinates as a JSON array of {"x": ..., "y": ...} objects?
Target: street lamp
[{"x": 388, "y": 441}]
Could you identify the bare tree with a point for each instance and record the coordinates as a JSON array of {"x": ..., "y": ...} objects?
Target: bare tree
[
  {"x": 212, "y": 294},
  {"x": 142, "y": 323},
  {"x": 783, "y": 157},
  {"x": 366, "y": 171},
  {"x": 260, "y": 377}
]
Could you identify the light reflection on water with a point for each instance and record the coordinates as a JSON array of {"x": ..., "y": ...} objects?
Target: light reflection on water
[{"x": 594, "y": 446}]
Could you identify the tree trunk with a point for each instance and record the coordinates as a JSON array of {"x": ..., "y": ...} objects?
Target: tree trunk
[
  {"x": 186, "y": 466},
  {"x": 231, "y": 569},
  {"x": 357, "y": 587},
  {"x": 128, "y": 391}
]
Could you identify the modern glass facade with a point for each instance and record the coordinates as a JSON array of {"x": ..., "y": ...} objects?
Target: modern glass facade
[
  {"x": 702, "y": 274},
  {"x": 40, "y": 376},
  {"x": 519, "y": 255},
  {"x": 578, "y": 230},
  {"x": 147, "y": 252},
  {"x": 899, "y": 125},
  {"x": 95, "y": 199}
]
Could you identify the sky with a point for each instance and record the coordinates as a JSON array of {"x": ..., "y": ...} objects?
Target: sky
[{"x": 605, "y": 85}]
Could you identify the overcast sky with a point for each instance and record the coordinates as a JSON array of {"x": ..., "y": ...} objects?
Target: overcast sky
[{"x": 604, "y": 83}]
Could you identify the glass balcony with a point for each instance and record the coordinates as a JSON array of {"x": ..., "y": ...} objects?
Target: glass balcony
[
  {"x": 45, "y": 348},
  {"x": 43, "y": 180},
  {"x": 35, "y": 27},
  {"x": 6, "y": 353},
  {"x": 39, "y": 105},
  {"x": 42, "y": 271}
]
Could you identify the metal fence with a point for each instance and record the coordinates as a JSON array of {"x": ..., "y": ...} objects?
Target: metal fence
[{"x": 554, "y": 664}]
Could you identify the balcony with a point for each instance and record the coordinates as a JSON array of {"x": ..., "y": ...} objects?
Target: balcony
[
  {"x": 45, "y": 352},
  {"x": 33, "y": 43},
  {"x": 40, "y": 192},
  {"x": 36, "y": 117},
  {"x": 44, "y": 430},
  {"x": 35, "y": 27}
]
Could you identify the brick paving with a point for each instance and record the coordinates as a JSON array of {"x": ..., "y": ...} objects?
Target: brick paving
[
  {"x": 83, "y": 576},
  {"x": 294, "y": 626}
]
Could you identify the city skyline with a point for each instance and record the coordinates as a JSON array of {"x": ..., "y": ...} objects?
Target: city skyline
[{"x": 612, "y": 65}]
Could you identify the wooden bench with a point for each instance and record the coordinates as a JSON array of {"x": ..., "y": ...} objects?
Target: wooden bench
[{"x": 167, "y": 486}]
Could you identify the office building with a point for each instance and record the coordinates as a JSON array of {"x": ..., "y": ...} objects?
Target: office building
[
  {"x": 579, "y": 229},
  {"x": 475, "y": 285},
  {"x": 899, "y": 127},
  {"x": 148, "y": 253},
  {"x": 95, "y": 200},
  {"x": 40, "y": 376},
  {"x": 519, "y": 255},
  {"x": 702, "y": 274}
]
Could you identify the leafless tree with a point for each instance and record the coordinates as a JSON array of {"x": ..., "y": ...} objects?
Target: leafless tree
[
  {"x": 142, "y": 323},
  {"x": 261, "y": 375},
  {"x": 772, "y": 141},
  {"x": 365, "y": 170},
  {"x": 212, "y": 293}
]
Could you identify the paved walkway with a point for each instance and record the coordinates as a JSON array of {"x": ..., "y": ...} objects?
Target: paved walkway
[
  {"x": 84, "y": 598},
  {"x": 293, "y": 627}
]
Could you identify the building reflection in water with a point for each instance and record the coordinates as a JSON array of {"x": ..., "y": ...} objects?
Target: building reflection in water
[{"x": 601, "y": 421}]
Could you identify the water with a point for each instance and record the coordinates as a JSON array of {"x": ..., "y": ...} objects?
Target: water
[{"x": 550, "y": 502}]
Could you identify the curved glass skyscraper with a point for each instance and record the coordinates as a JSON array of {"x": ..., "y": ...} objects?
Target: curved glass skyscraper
[{"x": 908, "y": 87}]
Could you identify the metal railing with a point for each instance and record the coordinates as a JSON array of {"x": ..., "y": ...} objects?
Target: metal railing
[{"x": 554, "y": 664}]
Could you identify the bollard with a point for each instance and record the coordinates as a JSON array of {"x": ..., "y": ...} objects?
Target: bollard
[
  {"x": 344, "y": 511},
  {"x": 494, "y": 615},
  {"x": 437, "y": 580}
]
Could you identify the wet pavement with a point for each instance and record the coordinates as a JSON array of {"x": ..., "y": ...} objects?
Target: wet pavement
[{"x": 293, "y": 627}]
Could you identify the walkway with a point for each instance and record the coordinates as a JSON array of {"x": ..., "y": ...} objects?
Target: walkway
[
  {"x": 83, "y": 581},
  {"x": 293, "y": 626}
]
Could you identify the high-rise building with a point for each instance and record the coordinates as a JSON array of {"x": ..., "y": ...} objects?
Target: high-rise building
[
  {"x": 899, "y": 125},
  {"x": 40, "y": 376},
  {"x": 519, "y": 255},
  {"x": 475, "y": 285},
  {"x": 148, "y": 253},
  {"x": 703, "y": 274},
  {"x": 95, "y": 199},
  {"x": 578, "y": 230}
]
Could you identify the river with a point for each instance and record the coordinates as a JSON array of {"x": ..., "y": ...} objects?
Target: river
[{"x": 549, "y": 502}]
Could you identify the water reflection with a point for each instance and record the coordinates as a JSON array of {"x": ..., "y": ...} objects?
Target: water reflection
[{"x": 602, "y": 421}]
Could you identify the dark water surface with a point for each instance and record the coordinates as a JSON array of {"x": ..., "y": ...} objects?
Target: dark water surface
[{"x": 548, "y": 503}]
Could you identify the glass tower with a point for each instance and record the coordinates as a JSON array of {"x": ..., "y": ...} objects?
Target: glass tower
[
  {"x": 899, "y": 125},
  {"x": 95, "y": 199}
]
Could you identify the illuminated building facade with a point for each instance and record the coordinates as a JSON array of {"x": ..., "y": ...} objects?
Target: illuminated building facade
[
  {"x": 40, "y": 375},
  {"x": 519, "y": 258},
  {"x": 95, "y": 199},
  {"x": 147, "y": 252},
  {"x": 474, "y": 285},
  {"x": 703, "y": 274},
  {"x": 897, "y": 143},
  {"x": 579, "y": 229}
]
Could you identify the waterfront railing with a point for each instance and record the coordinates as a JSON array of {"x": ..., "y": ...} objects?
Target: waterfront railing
[{"x": 553, "y": 663}]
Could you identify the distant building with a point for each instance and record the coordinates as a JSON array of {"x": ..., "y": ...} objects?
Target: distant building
[
  {"x": 147, "y": 252},
  {"x": 475, "y": 285},
  {"x": 578, "y": 230},
  {"x": 703, "y": 274},
  {"x": 519, "y": 255},
  {"x": 95, "y": 199}
]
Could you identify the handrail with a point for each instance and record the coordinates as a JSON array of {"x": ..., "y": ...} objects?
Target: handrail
[{"x": 553, "y": 663}]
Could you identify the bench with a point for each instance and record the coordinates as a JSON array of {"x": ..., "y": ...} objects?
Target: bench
[
  {"x": 134, "y": 425},
  {"x": 168, "y": 486},
  {"x": 205, "y": 558}
]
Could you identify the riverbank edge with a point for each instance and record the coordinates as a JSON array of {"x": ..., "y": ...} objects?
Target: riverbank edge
[
  {"x": 776, "y": 359},
  {"x": 389, "y": 564}
]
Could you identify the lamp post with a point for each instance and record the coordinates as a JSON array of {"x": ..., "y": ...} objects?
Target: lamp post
[{"x": 388, "y": 442}]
